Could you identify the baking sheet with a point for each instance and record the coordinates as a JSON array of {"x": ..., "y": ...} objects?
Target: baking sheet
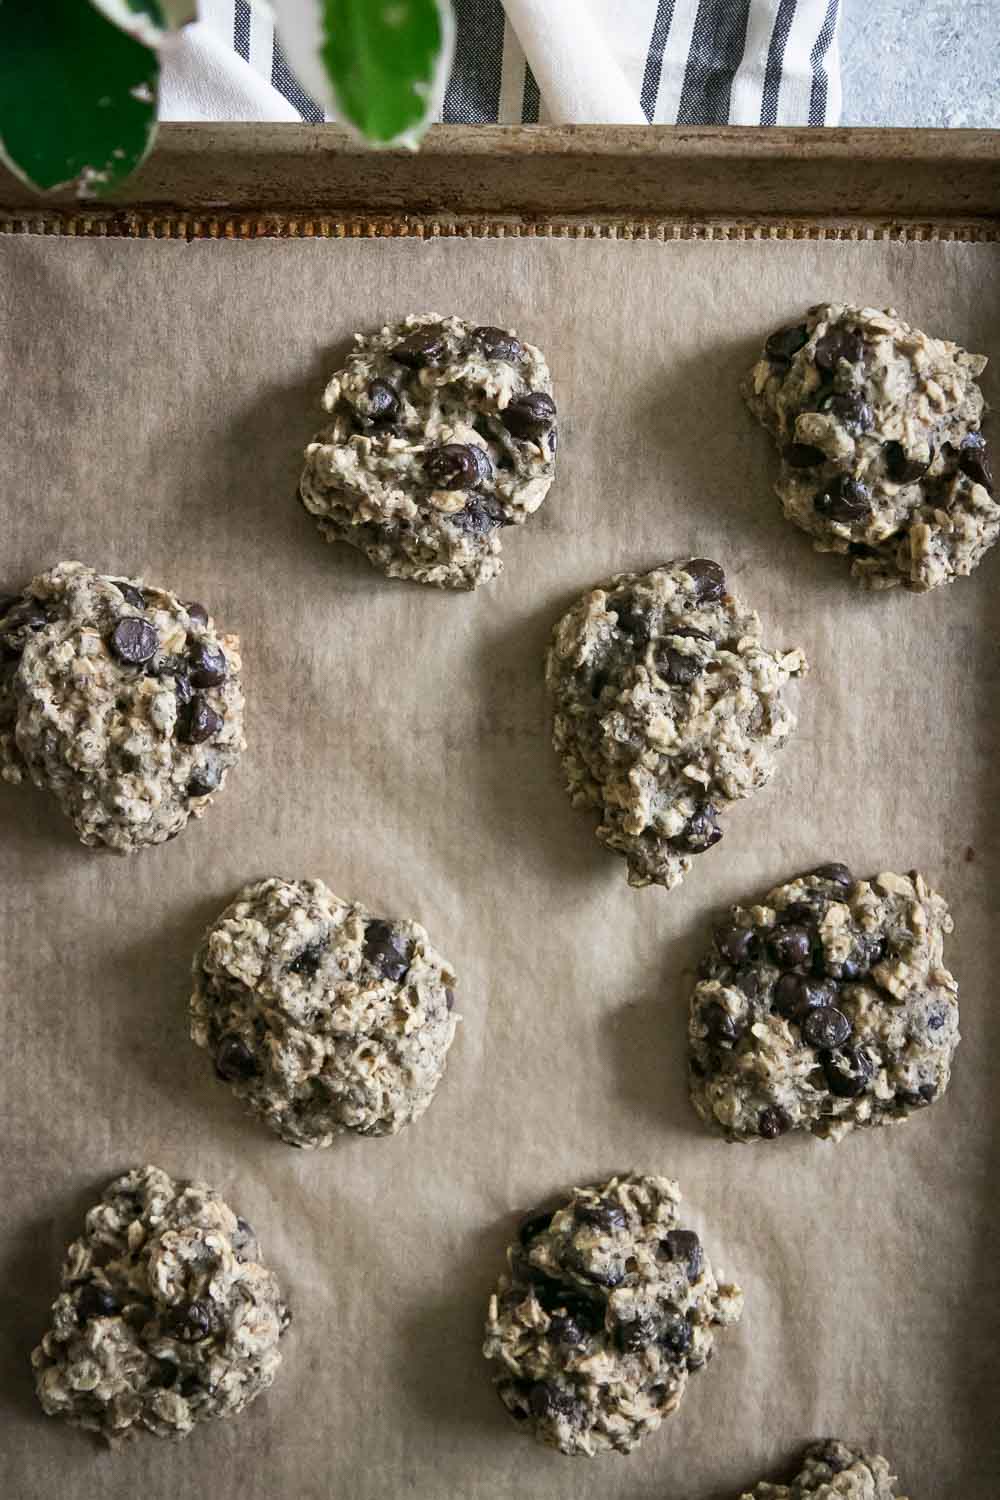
[{"x": 156, "y": 399}]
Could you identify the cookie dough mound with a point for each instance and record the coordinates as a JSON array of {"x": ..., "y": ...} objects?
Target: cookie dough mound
[
  {"x": 826, "y": 1007},
  {"x": 881, "y": 454},
  {"x": 166, "y": 1317},
  {"x": 608, "y": 1307},
  {"x": 667, "y": 708},
  {"x": 833, "y": 1471},
  {"x": 440, "y": 434},
  {"x": 121, "y": 700},
  {"x": 321, "y": 1017}
]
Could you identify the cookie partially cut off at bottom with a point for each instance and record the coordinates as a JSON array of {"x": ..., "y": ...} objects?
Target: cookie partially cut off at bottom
[{"x": 832, "y": 1470}]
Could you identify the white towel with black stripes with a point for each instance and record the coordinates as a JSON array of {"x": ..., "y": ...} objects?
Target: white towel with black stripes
[{"x": 683, "y": 62}]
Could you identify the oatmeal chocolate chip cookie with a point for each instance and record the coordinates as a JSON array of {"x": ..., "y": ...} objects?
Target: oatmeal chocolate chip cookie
[
  {"x": 667, "y": 708},
  {"x": 166, "y": 1317},
  {"x": 321, "y": 1017},
  {"x": 826, "y": 1007},
  {"x": 440, "y": 434},
  {"x": 833, "y": 1471},
  {"x": 881, "y": 454},
  {"x": 608, "y": 1306},
  {"x": 121, "y": 700}
]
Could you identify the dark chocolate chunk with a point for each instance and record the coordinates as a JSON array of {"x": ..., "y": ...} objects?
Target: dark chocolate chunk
[
  {"x": 676, "y": 668},
  {"x": 709, "y": 579},
  {"x": 209, "y": 667},
  {"x": 803, "y": 456},
  {"x": 454, "y": 466},
  {"x": 547, "y": 1401},
  {"x": 736, "y": 943},
  {"x": 684, "y": 1244},
  {"x": 481, "y": 514},
  {"x": 606, "y": 1216},
  {"x": 425, "y": 346},
  {"x": 567, "y": 1329},
  {"x": 535, "y": 1223},
  {"x": 197, "y": 612},
  {"x": 134, "y": 641},
  {"x": 383, "y": 402},
  {"x": 721, "y": 1026},
  {"x": 789, "y": 946},
  {"x": 529, "y": 417},
  {"x": 836, "y": 873},
  {"x": 825, "y": 1027},
  {"x": 772, "y": 1122},
  {"x": 844, "y": 499},
  {"x": 838, "y": 344},
  {"x": 191, "y": 1321},
  {"x": 636, "y": 1335},
  {"x": 848, "y": 1072},
  {"x": 901, "y": 467},
  {"x": 675, "y": 1335},
  {"x": 700, "y": 833},
  {"x": 786, "y": 342},
  {"x": 130, "y": 593},
  {"x": 974, "y": 460},
  {"x": 204, "y": 780},
  {"x": 308, "y": 961},
  {"x": 95, "y": 1301},
  {"x": 497, "y": 343},
  {"x": 795, "y": 995},
  {"x": 630, "y": 621},
  {"x": 234, "y": 1061},
  {"x": 850, "y": 409},
  {"x": 386, "y": 950},
  {"x": 198, "y": 722},
  {"x": 917, "y": 1098}
]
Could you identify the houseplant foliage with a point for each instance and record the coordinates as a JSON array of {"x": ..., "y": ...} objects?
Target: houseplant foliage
[{"x": 78, "y": 78}]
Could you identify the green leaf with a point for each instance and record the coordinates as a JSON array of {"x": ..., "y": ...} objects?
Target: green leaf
[
  {"x": 388, "y": 62},
  {"x": 147, "y": 20},
  {"x": 77, "y": 96}
]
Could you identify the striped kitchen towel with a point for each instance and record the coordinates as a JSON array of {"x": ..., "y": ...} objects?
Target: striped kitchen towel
[{"x": 685, "y": 62}]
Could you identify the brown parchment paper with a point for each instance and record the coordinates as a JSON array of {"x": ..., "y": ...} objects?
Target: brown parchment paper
[{"x": 156, "y": 398}]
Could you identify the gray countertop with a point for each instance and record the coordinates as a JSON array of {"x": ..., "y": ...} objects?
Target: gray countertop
[{"x": 921, "y": 62}]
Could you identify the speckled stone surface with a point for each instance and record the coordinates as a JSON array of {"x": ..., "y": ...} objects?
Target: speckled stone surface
[{"x": 933, "y": 63}]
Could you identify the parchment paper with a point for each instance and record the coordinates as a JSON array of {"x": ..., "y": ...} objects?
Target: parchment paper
[{"x": 156, "y": 400}]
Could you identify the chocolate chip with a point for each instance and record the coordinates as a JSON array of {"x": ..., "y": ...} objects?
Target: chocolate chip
[
  {"x": 95, "y": 1301},
  {"x": 425, "y": 346},
  {"x": 974, "y": 460},
  {"x": 382, "y": 401},
  {"x": 497, "y": 343},
  {"x": 935, "y": 1020},
  {"x": 826, "y": 1027},
  {"x": 530, "y": 416},
  {"x": 191, "y": 1384},
  {"x": 684, "y": 1244},
  {"x": 736, "y": 943},
  {"x": 629, "y": 620},
  {"x": 901, "y": 467},
  {"x": 130, "y": 593},
  {"x": 533, "y": 1225},
  {"x": 844, "y": 499},
  {"x": 789, "y": 946},
  {"x": 134, "y": 641},
  {"x": 308, "y": 961},
  {"x": 165, "y": 1375},
  {"x": 204, "y": 780},
  {"x": 209, "y": 667},
  {"x": 917, "y": 1098},
  {"x": 868, "y": 950},
  {"x": 675, "y": 1335},
  {"x": 700, "y": 832},
  {"x": 177, "y": 668},
  {"x": 838, "y": 344},
  {"x": 566, "y": 1329},
  {"x": 677, "y": 669},
  {"x": 721, "y": 1026},
  {"x": 606, "y": 1216},
  {"x": 795, "y": 995},
  {"x": 850, "y": 409},
  {"x": 709, "y": 579},
  {"x": 386, "y": 950},
  {"x": 748, "y": 983},
  {"x": 786, "y": 342},
  {"x": 803, "y": 456},
  {"x": 636, "y": 1335},
  {"x": 772, "y": 1122},
  {"x": 548, "y": 1401},
  {"x": 802, "y": 913},
  {"x": 836, "y": 873},
  {"x": 481, "y": 514},
  {"x": 848, "y": 1072},
  {"x": 234, "y": 1061},
  {"x": 198, "y": 722},
  {"x": 830, "y": 1453},
  {"x": 197, "y": 612},
  {"x": 456, "y": 466},
  {"x": 191, "y": 1321}
]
